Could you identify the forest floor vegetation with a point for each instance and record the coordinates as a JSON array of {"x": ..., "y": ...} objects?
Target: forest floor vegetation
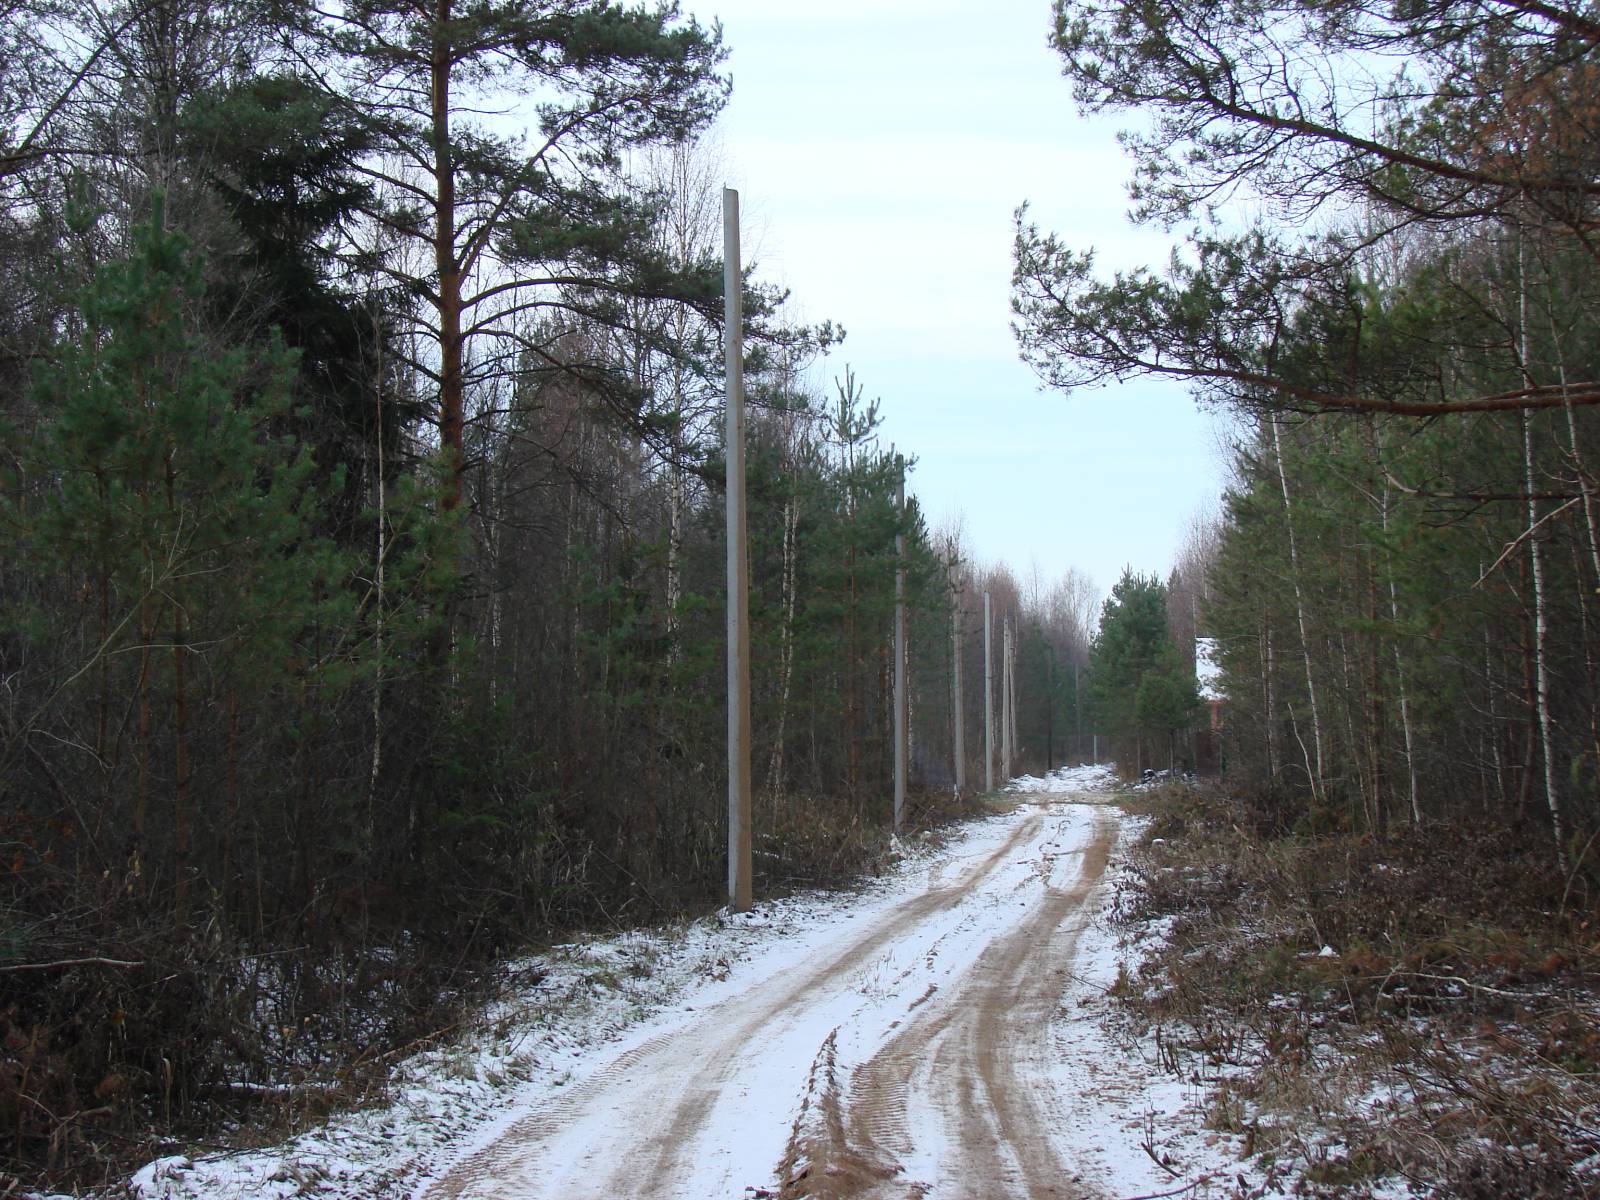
[{"x": 1412, "y": 1013}]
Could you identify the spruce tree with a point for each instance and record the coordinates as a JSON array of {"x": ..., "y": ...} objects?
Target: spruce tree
[{"x": 1140, "y": 687}]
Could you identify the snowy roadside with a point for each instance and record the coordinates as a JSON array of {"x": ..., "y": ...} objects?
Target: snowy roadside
[
  {"x": 583, "y": 1004},
  {"x": 1354, "y": 1012},
  {"x": 1135, "y": 1126},
  {"x": 576, "y": 1009}
]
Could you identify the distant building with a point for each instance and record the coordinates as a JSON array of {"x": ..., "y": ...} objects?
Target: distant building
[{"x": 1208, "y": 673}]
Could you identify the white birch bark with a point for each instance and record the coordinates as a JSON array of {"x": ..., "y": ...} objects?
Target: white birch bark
[
  {"x": 1541, "y": 620},
  {"x": 1317, "y": 775}
]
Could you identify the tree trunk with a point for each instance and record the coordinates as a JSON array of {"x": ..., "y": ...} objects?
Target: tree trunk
[
  {"x": 791, "y": 519},
  {"x": 375, "y": 766},
  {"x": 452, "y": 405},
  {"x": 1005, "y": 701},
  {"x": 957, "y": 715},
  {"x": 1399, "y": 665},
  {"x": 1377, "y": 720},
  {"x": 988, "y": 695},
  {"x": 180, "y": 763},
  {"x": 1300, "y": 614},
  {"x": 1269, "y": 712},
  {"x": 141, "y": 804},
  {"x": 1541, "y": 636},
  {"x": 1541, "y": 620},
  {"x": 1494, "y": 715}
]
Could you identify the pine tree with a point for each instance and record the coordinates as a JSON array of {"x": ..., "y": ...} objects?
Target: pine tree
[
  {"x": 161, "y": 493},
  {"x": 1140, "y": 687},
  {"x": 514, "y": 228}
]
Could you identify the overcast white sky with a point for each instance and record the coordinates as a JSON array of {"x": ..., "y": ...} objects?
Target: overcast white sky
[{"x": 880, "y": 148}]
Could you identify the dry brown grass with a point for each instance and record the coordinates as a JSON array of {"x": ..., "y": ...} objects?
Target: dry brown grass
[{"x": 1450, "y": 1041}]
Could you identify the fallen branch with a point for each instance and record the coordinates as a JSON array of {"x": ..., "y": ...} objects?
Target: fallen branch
[
  {"x": 71, "y": 962},
  {"x": 1156, "y": 1158},
  {"x": 1188, "y": 1187},
  {"x": 1466, "y": 983},
  {"x": 1527, "y": 533}
]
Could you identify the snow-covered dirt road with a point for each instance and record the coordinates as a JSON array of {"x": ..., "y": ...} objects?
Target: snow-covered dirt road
[
  {"x": 906, "y": 1053},
  {"x": 942, "y": 1033}
]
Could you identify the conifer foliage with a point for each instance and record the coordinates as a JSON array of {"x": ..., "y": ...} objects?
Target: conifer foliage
[
  {"x": 1404, "y": 582},
  {"x": 360, "y": 512},
  {"x": 1144, "y": 692}
]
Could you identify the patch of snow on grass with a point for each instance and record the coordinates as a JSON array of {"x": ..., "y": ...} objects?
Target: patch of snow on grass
[{"x": 1122, "y": 1110}]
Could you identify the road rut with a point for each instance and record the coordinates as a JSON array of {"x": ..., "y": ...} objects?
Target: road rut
[{"x": 903, "y": 1057}]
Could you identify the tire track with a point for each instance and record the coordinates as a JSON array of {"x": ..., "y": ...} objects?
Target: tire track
[
  {"x": 969, "y": 1055},
  {"x": 650, "y": 1148}
]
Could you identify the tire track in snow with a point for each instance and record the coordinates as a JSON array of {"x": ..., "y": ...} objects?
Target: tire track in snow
[
  {"x": 970, "y": 1060},
  {"x": 635, "y": 1128}
]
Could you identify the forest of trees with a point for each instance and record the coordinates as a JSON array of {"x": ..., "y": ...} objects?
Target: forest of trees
[
  {"x": 361, "y": 541},
  {"x": 1404, "y": 581}
]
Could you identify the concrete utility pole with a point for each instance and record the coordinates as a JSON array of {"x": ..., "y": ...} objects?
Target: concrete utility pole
[
  {"x": 739, "y": 888},
  {"x": 900, "y": 655},
  {"x": 955, "y": 660},
  {"x": 988, "y": 697}
]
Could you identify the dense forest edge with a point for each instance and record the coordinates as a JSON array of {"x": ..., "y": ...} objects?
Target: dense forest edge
[
  {"x": 360, "y": 520},
  {"x": 1377, "y": 937},
  {"x": 361, "y": 620}
]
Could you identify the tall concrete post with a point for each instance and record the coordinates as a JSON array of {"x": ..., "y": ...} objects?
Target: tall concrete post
[
  {"x": 988, "y": 697},
  {"x": 955, "y": 660},
  {"x": 900, "y": 656},
  {"x": 739, "y": 886}
]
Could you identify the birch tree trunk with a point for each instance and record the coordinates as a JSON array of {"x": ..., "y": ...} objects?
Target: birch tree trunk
[
  {"x": 1541, "y": 637},
  {"x": 1541, "y": 620},
  {"x": 1317, "y": 775}
]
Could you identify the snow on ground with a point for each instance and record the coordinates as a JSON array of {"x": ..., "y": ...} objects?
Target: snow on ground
[
  {"x": 1084, "y": 778},
  {"x": 573, "y": 1012},
  {"x": 1125, "y": 1110}
]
